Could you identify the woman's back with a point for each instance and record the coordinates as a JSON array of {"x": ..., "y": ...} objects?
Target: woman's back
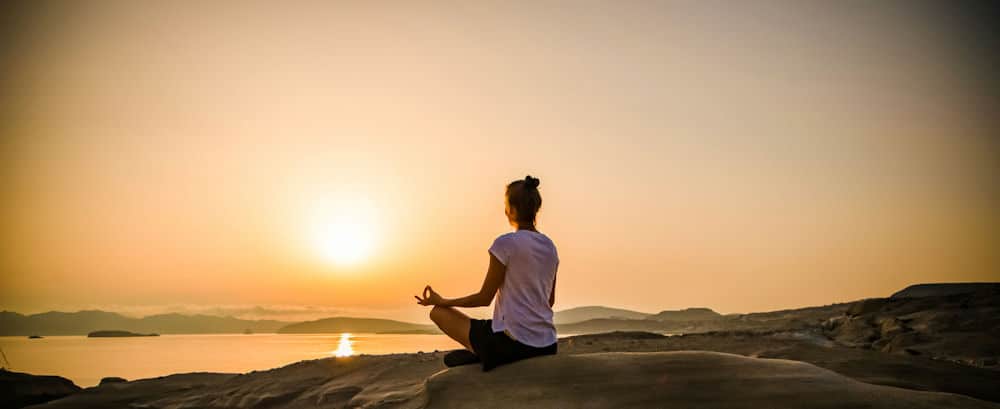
[{"x": 522, "y": 307}]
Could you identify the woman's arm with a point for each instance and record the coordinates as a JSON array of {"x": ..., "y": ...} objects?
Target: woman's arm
[
  {"x": 483, "y": 298},
  {"x": 552, "y": 295}
]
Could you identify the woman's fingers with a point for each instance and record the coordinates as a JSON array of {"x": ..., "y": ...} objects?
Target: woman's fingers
[{"x": 425, "y": 296}]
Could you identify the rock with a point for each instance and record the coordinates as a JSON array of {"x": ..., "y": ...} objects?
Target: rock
[
  {"x": 832, "y": 323},
  {"x": 685, "y": 379},
  {"x": 20, "y": 389},
  {"x": 901, "y": 343},
  {"x": 889, "y": 327},
  {"x": 110, "y": 380},
  {"x": 856, "y": 332}
]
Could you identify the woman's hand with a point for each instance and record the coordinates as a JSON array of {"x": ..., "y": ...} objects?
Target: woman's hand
[{"x": 429, "y": 297}]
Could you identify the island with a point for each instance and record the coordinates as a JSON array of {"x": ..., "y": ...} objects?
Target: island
[{"x": 118, "y": 334}]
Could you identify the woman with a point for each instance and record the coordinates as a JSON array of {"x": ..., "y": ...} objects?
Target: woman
[{"x": 522, "y": 268}]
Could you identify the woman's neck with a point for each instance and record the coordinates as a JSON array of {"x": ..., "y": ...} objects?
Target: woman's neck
[{"x": 529, "y": 227}]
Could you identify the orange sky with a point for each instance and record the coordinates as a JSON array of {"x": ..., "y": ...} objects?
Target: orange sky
[{"x": 743, "y": 158}]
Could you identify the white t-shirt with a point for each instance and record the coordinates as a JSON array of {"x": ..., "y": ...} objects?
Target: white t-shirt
[{"x": 522, "y": 306}]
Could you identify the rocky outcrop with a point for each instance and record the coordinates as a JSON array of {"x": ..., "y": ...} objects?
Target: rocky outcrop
[
  {"x": 20, "y": 389},
  {"x": 961, "y": 326}
]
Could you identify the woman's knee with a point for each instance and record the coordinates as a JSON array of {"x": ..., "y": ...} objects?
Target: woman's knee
[{"x": 438, "y": 313}]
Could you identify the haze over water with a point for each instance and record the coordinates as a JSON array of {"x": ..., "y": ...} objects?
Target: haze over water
[{"x": 744, "y": 157}]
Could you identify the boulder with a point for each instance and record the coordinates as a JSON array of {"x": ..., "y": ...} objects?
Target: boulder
[{"x": 682, "y": 379}]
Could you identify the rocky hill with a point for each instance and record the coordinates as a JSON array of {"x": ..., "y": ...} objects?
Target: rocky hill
[
  {"x": 580, "y": 314},
  {"x": 962, "y": 326},
  {"x": 688, "y": 314},
  {"x": 944, "y": 289}
]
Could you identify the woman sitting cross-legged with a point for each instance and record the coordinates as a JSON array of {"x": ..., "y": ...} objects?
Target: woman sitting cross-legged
[{"x": 522, "y": 268}]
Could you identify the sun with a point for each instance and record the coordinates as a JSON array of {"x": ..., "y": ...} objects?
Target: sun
[{"x": 345, "y": 233}]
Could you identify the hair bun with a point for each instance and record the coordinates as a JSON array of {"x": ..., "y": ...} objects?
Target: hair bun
[{"x": 531, "y": 182}]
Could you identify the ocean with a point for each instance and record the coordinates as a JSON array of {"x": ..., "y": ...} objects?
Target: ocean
[{"x": 86, "y": 360}]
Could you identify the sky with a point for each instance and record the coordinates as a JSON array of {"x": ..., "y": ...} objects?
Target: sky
[{"x": 303, "y": 159}]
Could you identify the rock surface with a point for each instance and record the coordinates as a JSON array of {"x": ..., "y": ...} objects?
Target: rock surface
[
  {"x": 684, "y": 379},
  {"x": 961, "y": 326}
]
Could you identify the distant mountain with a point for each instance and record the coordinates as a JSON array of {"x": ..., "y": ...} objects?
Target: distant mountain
[
  {"x": 84, "y": 322},
  {"x": 60, "y": 323},
  {"x": 579, "y": 314},
  {"x": 687, "y": 314},
  {"x": 611, "y": 324},
  {"x": 205, "y": 324},
  {"x": 697, "y": 320},
  {"x": 357, "y": 325}
]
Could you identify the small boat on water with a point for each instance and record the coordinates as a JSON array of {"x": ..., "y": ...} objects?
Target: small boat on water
[{"x": 35, "y": 337}]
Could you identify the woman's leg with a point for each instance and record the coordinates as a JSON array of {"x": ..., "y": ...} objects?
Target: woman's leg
[{"x": 454, "y": 323}]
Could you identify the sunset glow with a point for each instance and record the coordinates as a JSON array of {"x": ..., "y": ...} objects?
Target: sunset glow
[
  {"x": 344, "y": 233},
  {"x": 337, "y": 158}
]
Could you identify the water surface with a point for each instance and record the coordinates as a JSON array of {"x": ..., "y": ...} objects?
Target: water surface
[{"x": 86, "y": 360}]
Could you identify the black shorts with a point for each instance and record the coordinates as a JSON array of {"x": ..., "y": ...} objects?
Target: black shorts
[{"x": 496, "y": 348}]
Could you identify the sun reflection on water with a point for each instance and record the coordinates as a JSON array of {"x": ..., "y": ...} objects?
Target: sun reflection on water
[{"x": 344, "y": 346}]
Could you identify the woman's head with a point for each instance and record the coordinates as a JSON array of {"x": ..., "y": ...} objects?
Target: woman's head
[{"x": 523, "y": 201}]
